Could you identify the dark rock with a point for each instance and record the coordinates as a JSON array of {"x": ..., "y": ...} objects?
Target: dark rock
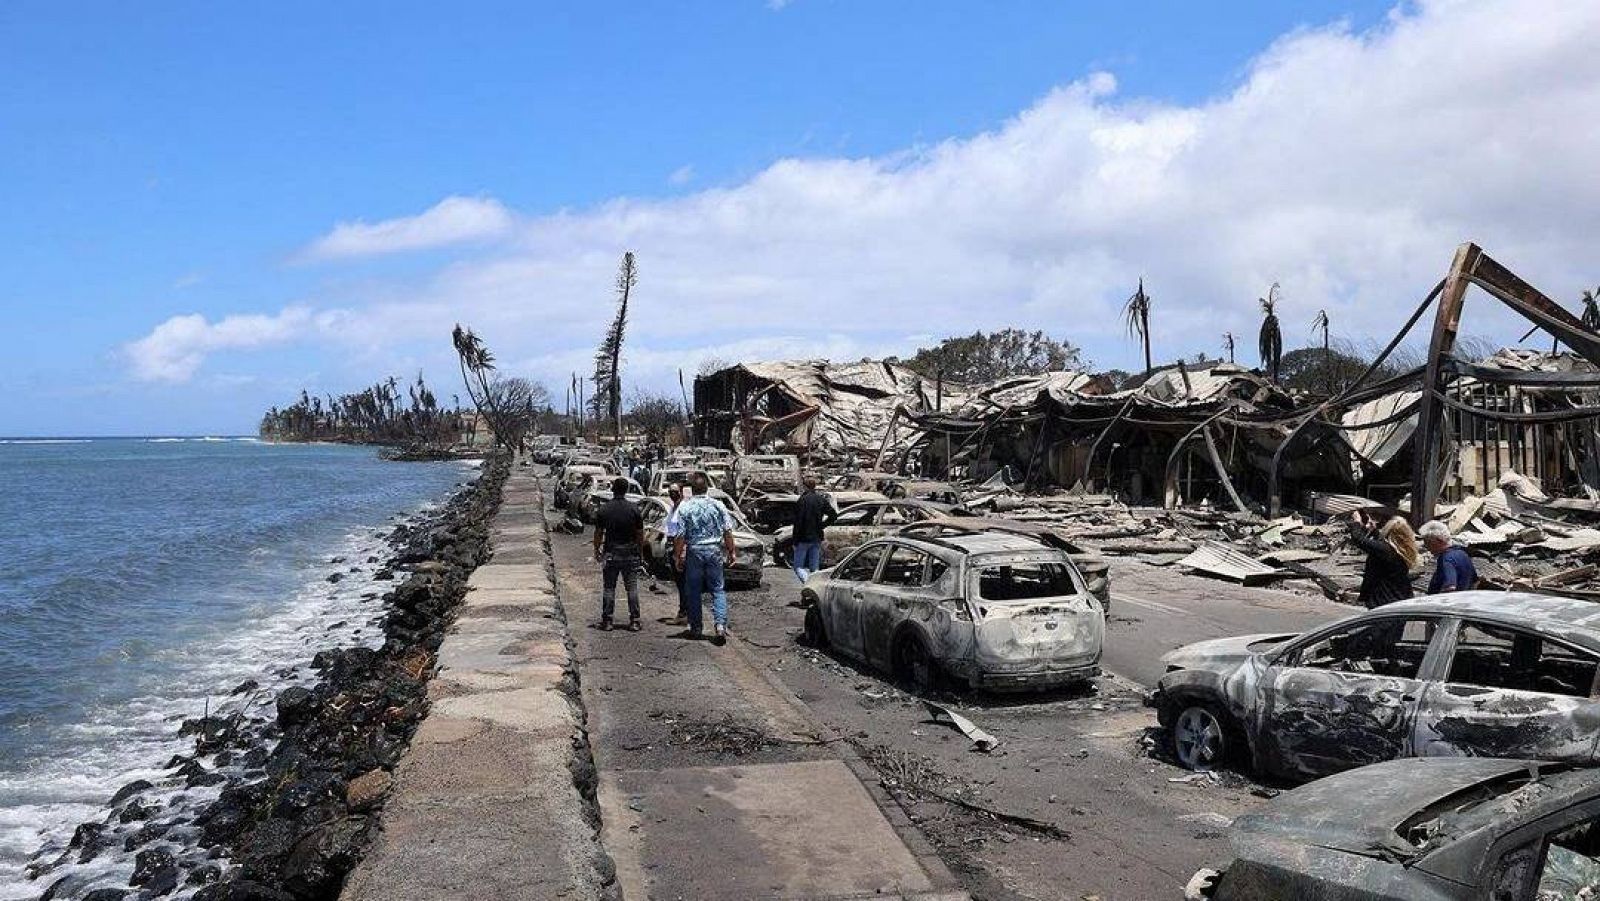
[
  {"x": 295, "y": 705},
  {"x": 86, "y": 834},
  {"x": 147, "y": 833},
  {"x": 106, "y": 894},
  {"x": 137, "y": 810},
  {"x": 246, "y": 685},
  {"x": 152, "y": 863},
  {"x": 336, "y": 577},
  {"x": 129, "y": 790},
  {"x": 241, "y": 890},
  {"x": 205, "y": 874}
]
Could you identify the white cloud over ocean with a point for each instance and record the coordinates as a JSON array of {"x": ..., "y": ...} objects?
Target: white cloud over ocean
[{"x": 1345, "y": 165}]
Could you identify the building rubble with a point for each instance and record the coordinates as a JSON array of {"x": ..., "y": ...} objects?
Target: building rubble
[{"x": 1213, "y": 467}]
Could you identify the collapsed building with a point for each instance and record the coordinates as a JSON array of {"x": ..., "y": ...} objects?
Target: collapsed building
[
  {"x": 834, "y": 412},
  {"x": 1211, "y": 432}
]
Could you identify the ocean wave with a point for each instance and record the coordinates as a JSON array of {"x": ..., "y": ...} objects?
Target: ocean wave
[{"x": 115, "y": 744}]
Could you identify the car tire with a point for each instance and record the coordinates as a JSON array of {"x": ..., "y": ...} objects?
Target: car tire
[
  {"x": 816, "y": 634},
  {"x": 914, "y": 666},
  {"x": 1203, "y": 737}
]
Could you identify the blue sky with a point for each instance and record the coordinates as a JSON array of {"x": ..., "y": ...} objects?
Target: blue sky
[{"x": 172, "y": 159}]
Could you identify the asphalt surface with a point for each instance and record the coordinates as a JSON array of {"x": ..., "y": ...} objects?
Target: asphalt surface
[{"x": 1078, "y": 801}]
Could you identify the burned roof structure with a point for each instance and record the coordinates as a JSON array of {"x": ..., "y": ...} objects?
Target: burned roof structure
[
  {"x": 1454, "y": 427},
  {"x": 813, "y": 407},
  {"x": 1182, "y": 432},
  {"x": 1209, "y": 431}
]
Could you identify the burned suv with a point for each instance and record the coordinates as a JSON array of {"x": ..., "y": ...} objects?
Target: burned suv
[
  {"x": 1474, "y": 673},
  {"x": 983, "y": 610}
]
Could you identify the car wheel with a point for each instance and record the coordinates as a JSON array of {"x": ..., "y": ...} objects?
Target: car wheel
[
  {"x": 913, "y": 664},
  {"x": 816, "y": 634},
  {"x": 1202, "y": 737}
]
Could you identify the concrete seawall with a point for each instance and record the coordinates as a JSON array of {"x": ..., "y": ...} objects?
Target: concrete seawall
[{"x": 494, "y": 799}]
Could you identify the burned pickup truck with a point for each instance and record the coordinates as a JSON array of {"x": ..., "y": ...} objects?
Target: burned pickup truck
[
  {"x": 1475, "y": 673},
  {"x": 1463, "y": 829},
  {"x": 983, "y": 610}
]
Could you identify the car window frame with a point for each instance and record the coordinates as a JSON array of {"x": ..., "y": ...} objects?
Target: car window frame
[
  {"x": 877, "y": 577},
  {"x": 875, "y": 545},
  {"x": 1428, "y": 671},
  {"x": 1462, "y": 621},
  {"x": 1539, "y": 830}
]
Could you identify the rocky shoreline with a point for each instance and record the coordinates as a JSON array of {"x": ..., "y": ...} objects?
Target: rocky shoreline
[{"x": 296, "y": 780}]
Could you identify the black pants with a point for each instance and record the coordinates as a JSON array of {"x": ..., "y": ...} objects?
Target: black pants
[{"x": 627, "y": 565}]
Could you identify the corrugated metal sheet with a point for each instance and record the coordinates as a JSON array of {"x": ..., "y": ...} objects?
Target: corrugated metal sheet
[{"x": 1226, "y": 563}]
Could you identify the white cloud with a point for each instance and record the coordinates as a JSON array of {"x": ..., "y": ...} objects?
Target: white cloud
[
  {"x": 175, "y": 349},
  {"x": 777, "y": 5},
  {"x": 453, "y": 220},
  {"x": 681, "y": 175},
  {"x": 1345, "y": 165}
]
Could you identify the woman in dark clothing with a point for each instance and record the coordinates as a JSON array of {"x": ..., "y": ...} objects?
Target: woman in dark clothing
[{"x": 1391, "y": 556}]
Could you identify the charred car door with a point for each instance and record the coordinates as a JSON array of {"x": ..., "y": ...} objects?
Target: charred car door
[
  {"x": 1344, "y": 697},
  {"x": 849, "y": 530},
  {"x": 890, "y": 601},
  {"x": 1511, "y": 693},
  {"x": 847, "y": 595}
]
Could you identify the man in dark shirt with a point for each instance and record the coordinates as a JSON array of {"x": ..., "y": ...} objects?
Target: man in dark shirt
[
  {"x": 1455, "y": 571},
  {"x": 812, "y": 513},
  {"x": 619, "y": 548}
]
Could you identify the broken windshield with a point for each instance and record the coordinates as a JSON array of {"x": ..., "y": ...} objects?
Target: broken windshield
[{"x": 1026, "y": 581}]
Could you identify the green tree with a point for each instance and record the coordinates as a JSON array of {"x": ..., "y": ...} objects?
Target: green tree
[{"x": 986, "y": 357}]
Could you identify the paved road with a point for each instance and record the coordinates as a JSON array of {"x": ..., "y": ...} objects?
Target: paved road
[
  {"x": 1078, "y": 800},
  {"x": 1155, "y": 609}
]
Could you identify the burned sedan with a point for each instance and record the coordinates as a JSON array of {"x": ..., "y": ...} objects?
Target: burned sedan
[
  {"x": 983, "y": 610},
  {"x": 1474, "y": 673},
  {"x": 1483, "y": 829},
  {"x": 1096, "y": 570}
]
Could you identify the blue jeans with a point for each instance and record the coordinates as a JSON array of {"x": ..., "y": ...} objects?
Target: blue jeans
[
  {"x": 807, "y": 558},
  {"x": 702, "y": 572}
]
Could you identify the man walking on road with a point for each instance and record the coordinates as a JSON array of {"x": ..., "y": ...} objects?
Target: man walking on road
[
  {"x": 703, "y": 547},
  {"x": 812, "y": 514},
  {"x": 1455, "y": 571},
  {"x": 619, "y": 548}
]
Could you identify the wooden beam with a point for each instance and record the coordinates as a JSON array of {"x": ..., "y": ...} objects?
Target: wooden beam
[{"x": 1430, "y": 413}]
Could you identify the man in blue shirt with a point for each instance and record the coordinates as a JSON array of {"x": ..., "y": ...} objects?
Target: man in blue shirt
[
  {"x": 1455, "y": 571},
  {"x": 704, "y": 545}
]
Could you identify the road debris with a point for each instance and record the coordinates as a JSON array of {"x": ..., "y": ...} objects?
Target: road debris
[{"x": 981, "y": 740}]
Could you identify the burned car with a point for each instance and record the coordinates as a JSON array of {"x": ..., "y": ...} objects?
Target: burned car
[
  {"x": 1479, "y": 673},
  {"x": 572, "y": 479},
  {"x": 595, "y": 492},
  {"x": 984, "y": 610},
  {"x": 1096, "y": 570},
  {"x": 749, "y": 555},
  {"x": 1483, "y": 829},
  {"x": 860, "y": 523}
]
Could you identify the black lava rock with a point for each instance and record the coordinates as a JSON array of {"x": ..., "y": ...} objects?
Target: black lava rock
[
  {"x": 295, "y": 705},
  {"x": 129, "y": 790}
]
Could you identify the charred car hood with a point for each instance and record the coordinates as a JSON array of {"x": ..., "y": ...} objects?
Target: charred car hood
[
  {"x": 1358, "y": 811},
  {"x": 1223, "y": 653}
]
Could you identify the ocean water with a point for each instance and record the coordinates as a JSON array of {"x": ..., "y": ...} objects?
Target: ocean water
[{"x": 142, "y": 579}]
